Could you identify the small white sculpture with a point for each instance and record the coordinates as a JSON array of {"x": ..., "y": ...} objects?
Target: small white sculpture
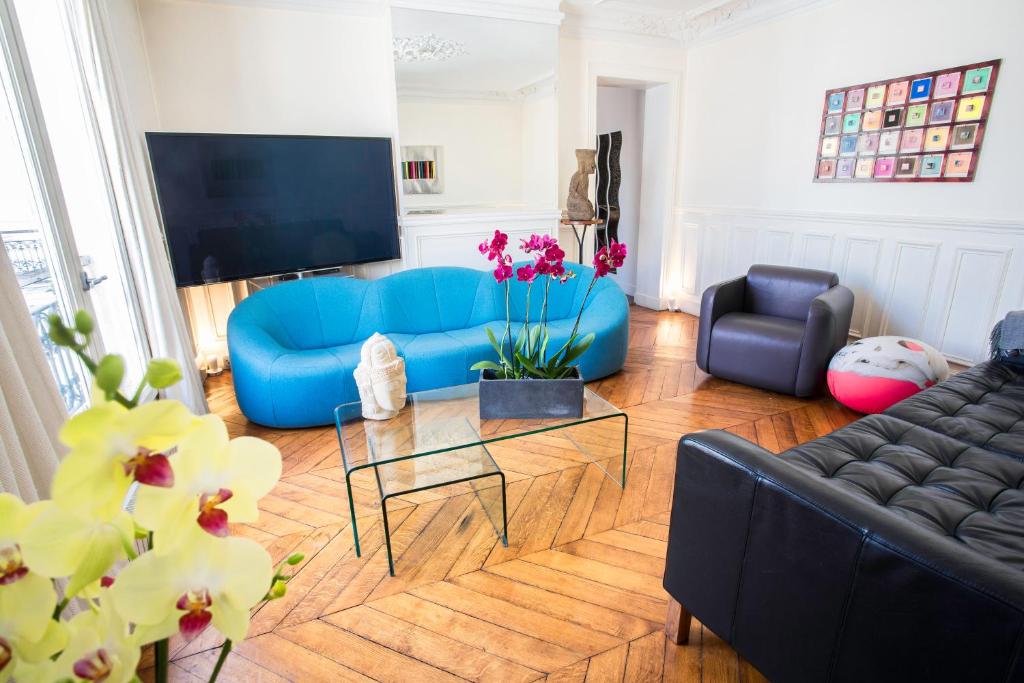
[{"x": 380, "y": 378}]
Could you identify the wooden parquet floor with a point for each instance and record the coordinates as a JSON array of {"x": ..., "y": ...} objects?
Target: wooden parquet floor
[{"x": 576, "y": 595}]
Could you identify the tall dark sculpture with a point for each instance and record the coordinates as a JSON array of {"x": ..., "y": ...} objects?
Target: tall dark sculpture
[{"x": 609, "y": 177}]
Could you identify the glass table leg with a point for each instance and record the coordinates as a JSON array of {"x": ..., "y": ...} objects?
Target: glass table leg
[
  {"x": 496, "y": 495},
  {"x": 621, "y": 481},
  {"x": 352, "y": 515}
]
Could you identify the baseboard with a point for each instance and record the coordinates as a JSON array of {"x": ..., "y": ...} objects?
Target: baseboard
[{"x": 648, "y": 301}]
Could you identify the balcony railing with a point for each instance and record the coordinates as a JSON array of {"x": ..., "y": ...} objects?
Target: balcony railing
[{"x": 25, "y": 250}]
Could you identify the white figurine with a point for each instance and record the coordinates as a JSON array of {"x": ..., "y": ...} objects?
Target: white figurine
[{"x": 380, "y": 378}]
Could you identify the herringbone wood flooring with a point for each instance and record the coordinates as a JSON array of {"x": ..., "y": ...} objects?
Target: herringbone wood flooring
[{"x": 577, "y": 594}]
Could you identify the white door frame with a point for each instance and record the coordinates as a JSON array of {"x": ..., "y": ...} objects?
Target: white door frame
[{"x": 657, "y": 252}]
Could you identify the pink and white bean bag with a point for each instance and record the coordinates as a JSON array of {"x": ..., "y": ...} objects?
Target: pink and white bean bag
[{"x": 872, "y": 374}]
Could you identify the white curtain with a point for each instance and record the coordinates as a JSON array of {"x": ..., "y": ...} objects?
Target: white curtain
[
  {"x": 31, "y": 409},
  {"x": 166, "y": 331}
]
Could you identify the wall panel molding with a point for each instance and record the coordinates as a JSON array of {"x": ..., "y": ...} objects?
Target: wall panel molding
[{"x": 939, "y": 279}]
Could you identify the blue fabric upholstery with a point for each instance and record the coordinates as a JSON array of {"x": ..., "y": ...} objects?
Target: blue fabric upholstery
[{"x": 294, "y": 346}]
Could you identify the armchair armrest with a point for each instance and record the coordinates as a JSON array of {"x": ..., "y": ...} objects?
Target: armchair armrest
[
  {"x": 826, "y": 331},
  {"x": 725, "y": 297}
]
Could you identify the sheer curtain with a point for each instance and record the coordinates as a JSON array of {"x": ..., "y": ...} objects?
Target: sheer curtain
[
  {"x": 31, "y": 409},
  {"x": 165, "y": 328}
]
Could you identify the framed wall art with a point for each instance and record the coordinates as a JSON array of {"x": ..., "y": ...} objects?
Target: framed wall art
[{"x": 926, "y": 127}]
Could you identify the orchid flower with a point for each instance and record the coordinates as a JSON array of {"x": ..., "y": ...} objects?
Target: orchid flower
[
  {"x": 28, "y": 634},
  {"x": 77, "y": 541},
  {"x": 216, "y": 481},
  {"x": 100, "y": 648},
  {"x": 202, "y": 581},
  {"x": 112, "y": 445}
]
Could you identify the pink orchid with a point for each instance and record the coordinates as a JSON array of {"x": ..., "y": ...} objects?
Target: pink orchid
[
  {"x": 503, "y": 272},
  {"x": 609, "y": 257},
  {"x": 526, "y": 274},
  {"x": 495, "y": 248},
  {"x": 538, "y": 243}
]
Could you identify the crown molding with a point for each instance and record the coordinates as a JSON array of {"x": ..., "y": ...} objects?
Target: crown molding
[
  {"x": 618, "y": 20},
  {"x": 535, "y": 11},
  {"x": 366, "y": 8},
  {"x": 548, "y": 85}
]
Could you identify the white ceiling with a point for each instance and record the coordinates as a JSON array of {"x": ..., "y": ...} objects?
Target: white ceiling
[{"x": 502, "y": 55}]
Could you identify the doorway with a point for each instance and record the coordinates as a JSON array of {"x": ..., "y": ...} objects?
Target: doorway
[{"x": 643, "y": 105}]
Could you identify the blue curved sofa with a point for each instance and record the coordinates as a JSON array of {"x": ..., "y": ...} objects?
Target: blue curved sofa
[{"x": 294, "y": 346}]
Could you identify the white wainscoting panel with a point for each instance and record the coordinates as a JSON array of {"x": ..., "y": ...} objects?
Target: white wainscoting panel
[
  {"x": 943, "y": 280},
  {"x": 451, "y": 239}
]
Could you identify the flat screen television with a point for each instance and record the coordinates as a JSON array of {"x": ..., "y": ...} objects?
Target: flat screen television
[{"x": 244, "y": 206}]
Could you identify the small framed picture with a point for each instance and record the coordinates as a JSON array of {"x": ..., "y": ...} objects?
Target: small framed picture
[
  {"x": 920, "y": 89},
  {"x": 958, "y": 164},
  {"x": 848, "y": 146},
  {"x": 965, "y": 136},
  {"x": 833, "y": 125},
  {"x": 936, "y": 139},
  {"x": 917, "y": 115},
  {"x": 885, "y": 167},
  {"x": 907, "y": 167},
  {"x": 827, "y": 168},
  {"x": 851, "y": 123},
  {"x": 977, "y": 80},
  {"x": 872, "y": 120},
  {"x": 889, "y": 142},
  {"x": 865, "y": 167},
  {"x": 912, "y": 140},
  {"x": 970, "y": 108},
  {"x": 836, "y": 101},
  {"x": 898, "y": 92},
  {"x": 867, "y": 144},
  {"x": 893, "y": 118},
  {"x": 942, "y": 112},
  {"x": 931, "y": 165},
  {"x": 845, "y": 167},
  {"x": 830, "y": 146},
  {"x": 946, "y": 84},
  {"x": 855, "y": 99},
  {"x": 875, "y": 97}
]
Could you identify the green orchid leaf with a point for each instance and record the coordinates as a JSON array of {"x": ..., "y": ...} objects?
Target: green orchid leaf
[
  {"x": 496, "y": 345},
  {"x": 578, "y": 350},
  {"x": 486, "y": 365},
  {"x": 530, "y": 367}
]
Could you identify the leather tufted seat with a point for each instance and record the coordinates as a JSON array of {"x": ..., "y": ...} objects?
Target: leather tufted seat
[
  {"x": 983, "y": 406},
  {"x": 970, "y": 494},
  {"x": 889, "y": 550}
]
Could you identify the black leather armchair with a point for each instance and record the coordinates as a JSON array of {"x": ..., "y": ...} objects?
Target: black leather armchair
[{"x": 775, "y": 328}]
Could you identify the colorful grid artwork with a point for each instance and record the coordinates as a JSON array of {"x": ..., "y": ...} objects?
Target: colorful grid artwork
[{"x": 927, "y": 127}]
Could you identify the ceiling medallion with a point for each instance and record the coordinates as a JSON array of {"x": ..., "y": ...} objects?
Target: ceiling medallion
[{"x": 426, "y": 47}]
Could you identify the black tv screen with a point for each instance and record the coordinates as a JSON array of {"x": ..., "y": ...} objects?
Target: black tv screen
[{"x": 243, "y": 206}]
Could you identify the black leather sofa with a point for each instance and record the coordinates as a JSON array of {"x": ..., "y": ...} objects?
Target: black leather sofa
[
  {"x": 889, "y": 550},
  {"x": 789, "y": 321}
]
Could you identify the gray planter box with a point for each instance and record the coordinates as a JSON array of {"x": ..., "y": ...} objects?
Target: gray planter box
[{"x": 530, "y": 398}]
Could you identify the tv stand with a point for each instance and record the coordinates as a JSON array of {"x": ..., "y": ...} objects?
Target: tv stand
[{"x": 258, "y": 283}]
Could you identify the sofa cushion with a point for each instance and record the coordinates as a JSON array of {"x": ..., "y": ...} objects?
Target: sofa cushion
[
  {"x": 982, "y": 406},
  {"x": 753, "y": 349},
  {"x": 970, "y": 494}
]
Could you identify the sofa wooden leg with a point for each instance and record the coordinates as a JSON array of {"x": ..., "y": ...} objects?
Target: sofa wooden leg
[{"x": 677, "y": 624}]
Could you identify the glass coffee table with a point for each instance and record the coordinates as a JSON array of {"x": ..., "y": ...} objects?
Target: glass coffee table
[{"x": 438, "y": 439}]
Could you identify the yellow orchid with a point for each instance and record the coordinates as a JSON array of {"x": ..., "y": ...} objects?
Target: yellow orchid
[
  {"x": 82, "y": 545},
  {"x": 204, "y": 580},
  {"x": 216, "y": 481},
  {"x": 112, "y": 445},
  {"x": 100, "y": 648},
  {"x": 27, "y": 600}
]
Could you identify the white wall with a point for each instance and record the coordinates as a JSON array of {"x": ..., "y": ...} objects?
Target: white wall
[
  {"x": 540, "y": 150},
  {"x": 483, "y": 150},
  {"x": 939, "y": 261},
  {"x": 622, "y": 109}
]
